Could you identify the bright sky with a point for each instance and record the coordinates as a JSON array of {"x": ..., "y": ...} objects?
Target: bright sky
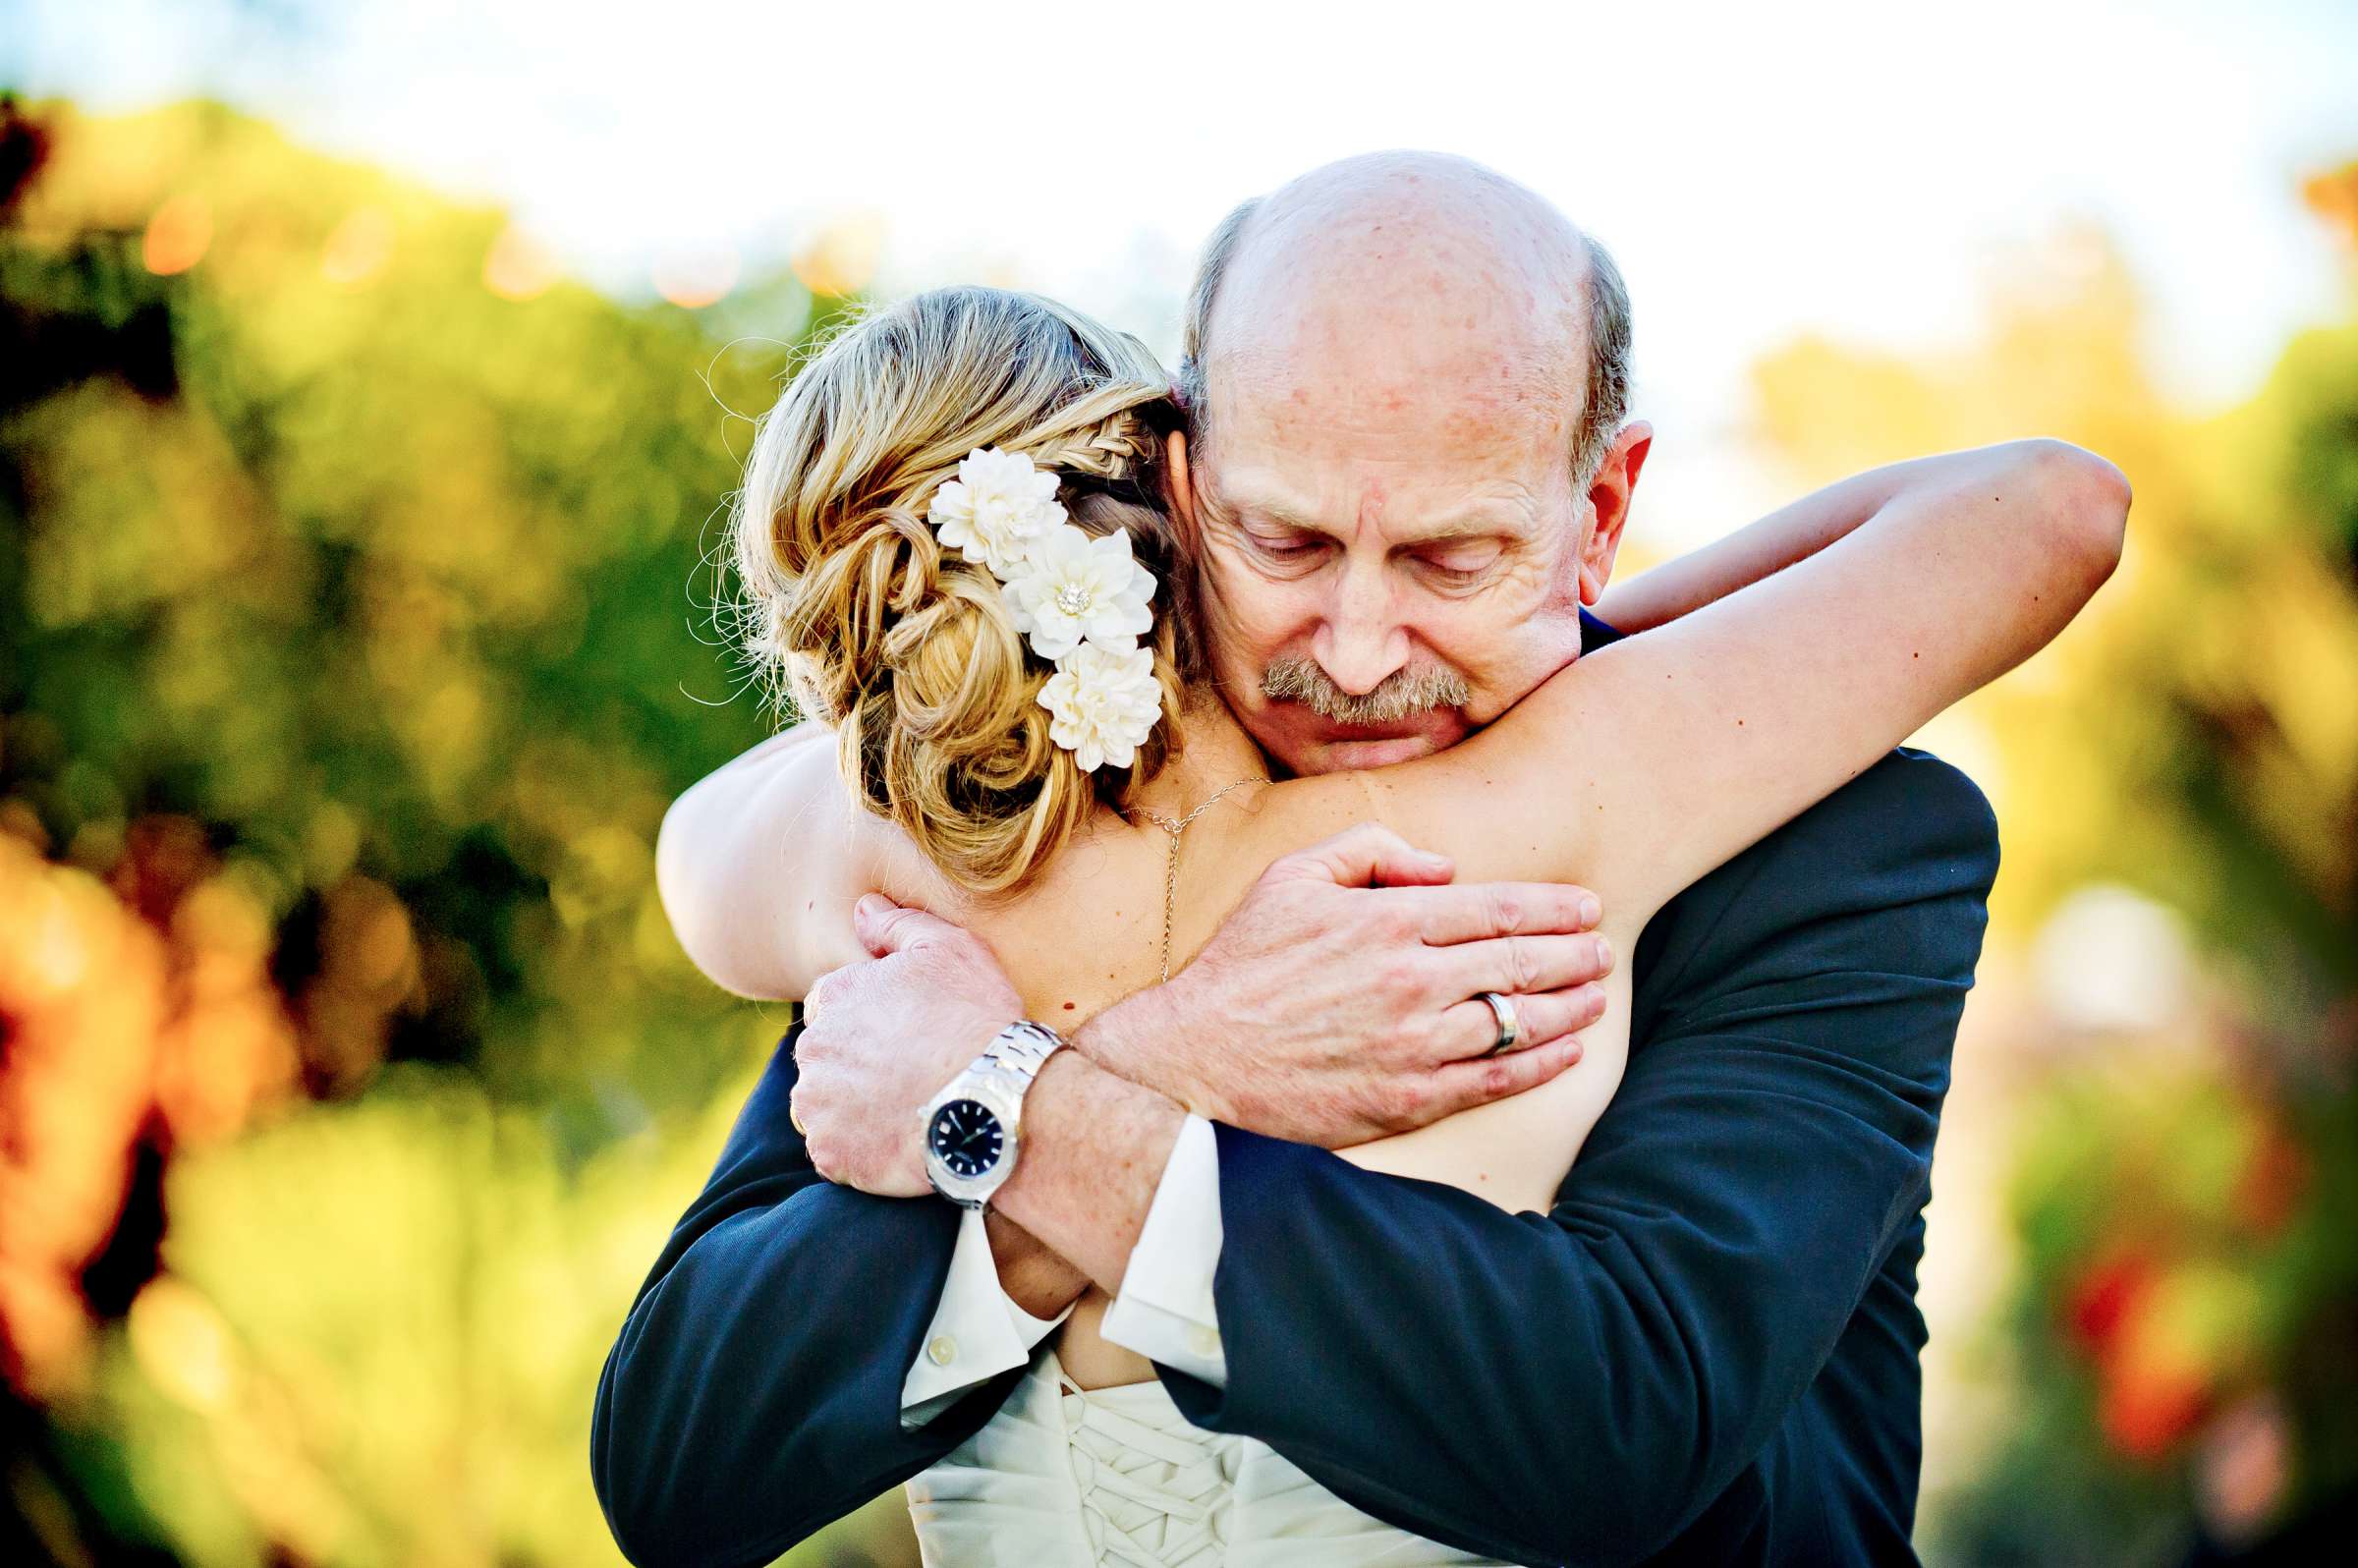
[{"x": 1760, "y": 170}]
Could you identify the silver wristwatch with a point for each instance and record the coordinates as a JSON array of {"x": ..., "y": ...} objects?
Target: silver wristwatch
[{"x": 972, "y": 1127}]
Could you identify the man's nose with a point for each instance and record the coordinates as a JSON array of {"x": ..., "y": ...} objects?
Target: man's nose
[{"x": 1361, "y": 644}]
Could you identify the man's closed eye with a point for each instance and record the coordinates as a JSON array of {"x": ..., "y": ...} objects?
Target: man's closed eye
[
  {"x": 1458, "y": 568},
  {"x": 1291, "y": 549}
]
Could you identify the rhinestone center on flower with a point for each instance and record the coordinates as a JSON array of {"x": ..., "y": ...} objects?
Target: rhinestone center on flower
[{"x": 1072, "y": 599}]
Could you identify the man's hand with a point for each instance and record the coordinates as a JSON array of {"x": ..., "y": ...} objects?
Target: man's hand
[
  {"x": 1338, "y": 1004},
  {"x": 880, "y": 1039}
]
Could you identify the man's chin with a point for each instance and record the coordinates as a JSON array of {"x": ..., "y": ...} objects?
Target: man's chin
[
  {"x": 1331, "y": 748},
  {"x": 1342, "y": 756}
]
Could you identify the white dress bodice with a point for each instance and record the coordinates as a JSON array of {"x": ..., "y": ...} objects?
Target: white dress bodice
[{"x": 1063, "y": 1477}]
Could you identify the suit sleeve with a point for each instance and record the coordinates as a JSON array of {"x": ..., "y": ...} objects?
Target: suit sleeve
[
  {"x": 755, "y": 1390},
  {"x": 1577, "y": 1386}
]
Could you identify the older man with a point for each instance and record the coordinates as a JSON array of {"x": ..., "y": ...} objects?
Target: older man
[{"x": 1405, "y": 375}]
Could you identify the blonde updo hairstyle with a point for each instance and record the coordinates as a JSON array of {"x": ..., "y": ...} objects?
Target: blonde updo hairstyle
[{"x": 902, "y": 646}]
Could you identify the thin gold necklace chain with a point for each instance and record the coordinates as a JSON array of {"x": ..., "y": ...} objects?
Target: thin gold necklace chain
[{"x": 1170, "y": 883}]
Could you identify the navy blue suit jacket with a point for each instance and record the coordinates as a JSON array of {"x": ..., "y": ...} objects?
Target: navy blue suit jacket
[{"x": 1704, "y": 1353}]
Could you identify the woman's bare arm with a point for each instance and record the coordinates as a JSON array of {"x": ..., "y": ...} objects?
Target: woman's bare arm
[
  {"x": 742, "y": 854},
  {"x": 1642, "y": 767},
  {"x": 1793, "y": 533},
  {"x": 1646, "y": 764}
]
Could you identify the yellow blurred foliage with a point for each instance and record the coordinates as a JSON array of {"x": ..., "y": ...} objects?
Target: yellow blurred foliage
[{"x": 2226, "y": 603}]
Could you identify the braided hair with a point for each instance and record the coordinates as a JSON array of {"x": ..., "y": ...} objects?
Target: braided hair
[{"x": 906, "y": 650}]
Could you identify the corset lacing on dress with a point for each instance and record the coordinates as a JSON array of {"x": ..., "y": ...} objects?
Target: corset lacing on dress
[
  {"x": 1062, "y": 1476},
  {"x": 1152, "y": 1494}
]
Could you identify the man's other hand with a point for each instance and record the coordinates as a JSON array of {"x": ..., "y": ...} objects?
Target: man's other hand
[
  {"x": 1339, "y": 1002},
  {"x": 880, "y": 1038}
]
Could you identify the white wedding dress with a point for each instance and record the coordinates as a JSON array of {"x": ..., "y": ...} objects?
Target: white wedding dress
[{"x": 1063, "y": 1477}]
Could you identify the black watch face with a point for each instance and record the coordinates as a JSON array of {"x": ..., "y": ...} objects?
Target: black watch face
[{"x": 967, "y": 1136}]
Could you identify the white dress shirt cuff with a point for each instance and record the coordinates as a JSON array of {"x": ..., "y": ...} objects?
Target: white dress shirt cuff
[
  {"x": 1164, "y": 1310},
  {"x": 978, "y": 1330}
]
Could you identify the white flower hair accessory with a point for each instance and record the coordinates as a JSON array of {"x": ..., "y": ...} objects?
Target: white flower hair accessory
[
  {"x": 1082, "y": 602},
  {"x": 1074, "y": 589},
  {"x": 996, "y": 509},
  {"x": 1102, "y": 703}
]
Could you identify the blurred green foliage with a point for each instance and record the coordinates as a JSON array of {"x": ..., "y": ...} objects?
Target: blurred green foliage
[
  {"x": 354, "y": 577},
  {"x": 389, "y": 577}
]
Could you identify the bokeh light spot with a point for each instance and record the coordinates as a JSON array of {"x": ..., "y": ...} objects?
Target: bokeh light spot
[{"x": 178, "y": 236}]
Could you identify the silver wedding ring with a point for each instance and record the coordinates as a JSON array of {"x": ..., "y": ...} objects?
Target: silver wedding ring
[{"x": 1509, "y": 1031}]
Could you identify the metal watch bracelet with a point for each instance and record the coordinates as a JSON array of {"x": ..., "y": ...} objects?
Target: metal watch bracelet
[{"x": 1021, "y": 1047}]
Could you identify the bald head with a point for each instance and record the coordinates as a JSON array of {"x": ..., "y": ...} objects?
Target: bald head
[{"x": 1400, "y": 271}]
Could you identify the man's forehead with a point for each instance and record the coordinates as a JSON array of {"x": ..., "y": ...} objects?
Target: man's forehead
[
  {"x": 1477, "y": 419},
  {"x": 1467, "y": 392},
  {"x": 1477, "y": 375}
]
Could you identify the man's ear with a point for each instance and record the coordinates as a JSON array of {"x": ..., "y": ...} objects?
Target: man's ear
[
  {"x": 1608, "y": 499},
  {"x": 1179, "y": 487}
]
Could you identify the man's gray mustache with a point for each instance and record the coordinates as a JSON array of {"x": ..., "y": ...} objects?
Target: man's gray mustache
[{"x": 1423, "y": 686}]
